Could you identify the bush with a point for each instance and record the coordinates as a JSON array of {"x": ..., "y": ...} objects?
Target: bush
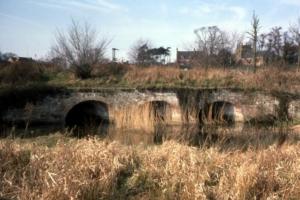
[
  {"x": 83, "y": 71},
  {"x": 111, "y": 69},
  {"x": 80, "y": 47},
  {"x": 17, "y": 73}
]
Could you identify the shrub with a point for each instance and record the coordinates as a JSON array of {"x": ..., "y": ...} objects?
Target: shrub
[
  {"x": 17, "y": 73},
  {"x": 111, "y": 69},
  {"x": 80, "y": 47},
  {"x": 83, "y": 71}
]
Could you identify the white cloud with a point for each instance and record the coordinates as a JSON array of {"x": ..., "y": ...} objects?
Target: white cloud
[
  {"x": 228, "y": 17},
  {"x": 20, "y": 19},
  {"x": 290, "y": 2},
  {"x": 98, "y": 5},
  {"x": 109, "y": 5},
  {"x": 239, "y": 12},
  {"x": 207, "y": 8},
  {"x": 202, "y": 9}
]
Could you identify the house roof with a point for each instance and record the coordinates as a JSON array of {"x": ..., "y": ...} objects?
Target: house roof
[{"x": 187, "y": 54}]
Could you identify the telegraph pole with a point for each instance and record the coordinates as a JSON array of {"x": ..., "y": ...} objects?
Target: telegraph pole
[{"x": 114, "y": 58}]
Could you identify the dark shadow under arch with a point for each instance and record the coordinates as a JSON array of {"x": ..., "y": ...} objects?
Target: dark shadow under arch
[
  {"x": 217, "y": 112},
  {"x": 87, "y": 114},
  {"x": 160, "y": 111}
]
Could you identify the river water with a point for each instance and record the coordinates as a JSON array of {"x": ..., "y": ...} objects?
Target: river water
[{"x": 225, "y": 137}]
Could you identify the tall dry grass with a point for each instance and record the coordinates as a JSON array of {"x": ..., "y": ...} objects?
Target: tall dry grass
[
  {"x": 22, "y": 73},
  {"x": 265, "y": 78},
  {"x": 143, "y": 116},
  {"x": 94, "y": 169}
]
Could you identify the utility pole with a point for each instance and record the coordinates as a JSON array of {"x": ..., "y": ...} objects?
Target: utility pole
[{"x": 114, "y": 58}]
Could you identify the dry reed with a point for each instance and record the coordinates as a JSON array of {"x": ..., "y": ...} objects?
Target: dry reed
[
  {"x": 264, "y": 78},
  {"x": 94, "y": 169},
  {"x": 267, "y": 78},
  {"x": 143, "y": 116}
]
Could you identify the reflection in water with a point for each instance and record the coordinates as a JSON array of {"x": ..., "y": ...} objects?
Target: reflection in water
[
  {"x": 224, "y": 137},
  {"x": 218, "y": 112},
  {"x": 237, "y": 136}
]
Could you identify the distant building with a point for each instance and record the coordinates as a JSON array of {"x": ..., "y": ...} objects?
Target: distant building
[
  {"x": 14, "y": 58},
  {"x": 11, "y": 58},
  {"x": 19, "y": 59},
  {"x": 185, "y": 59},
  {"x": 25, "y": 59},
  {"x": 244, "y": 55}
]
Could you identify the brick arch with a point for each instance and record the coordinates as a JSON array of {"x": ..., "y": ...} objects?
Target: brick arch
[{"x": 85, "y": 112}]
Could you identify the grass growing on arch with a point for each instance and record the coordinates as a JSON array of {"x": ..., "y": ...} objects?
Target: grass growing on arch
[
  {"x": 269, "y": 78},
  {"x": 127, "y": 76}
]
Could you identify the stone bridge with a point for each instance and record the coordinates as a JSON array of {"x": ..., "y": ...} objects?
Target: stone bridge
[{"x": 133, "y": 108}]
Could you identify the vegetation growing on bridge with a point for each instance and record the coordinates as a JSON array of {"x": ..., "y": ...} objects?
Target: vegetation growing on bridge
[{"x": 125, "y": 76}]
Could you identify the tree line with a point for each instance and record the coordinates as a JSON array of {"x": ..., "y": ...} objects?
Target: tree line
[
  {"x": 80, "y": 47},
  {"x": 216, "y": 47}
]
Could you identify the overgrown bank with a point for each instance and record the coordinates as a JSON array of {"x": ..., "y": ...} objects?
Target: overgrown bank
[
  {"x": 95, "y": 169},
  {"x": 135, "y": 77},
  {"x": 125, "y": 76}
]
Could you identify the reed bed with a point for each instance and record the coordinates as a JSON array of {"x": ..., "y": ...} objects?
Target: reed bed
[
  {"x": 142, "y": 116},
  {"x": 267, "y": 78},
  {"x": 97, "y": 169}
]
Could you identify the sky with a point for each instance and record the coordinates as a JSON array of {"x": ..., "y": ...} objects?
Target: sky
[{"x": 27, "y": 27}]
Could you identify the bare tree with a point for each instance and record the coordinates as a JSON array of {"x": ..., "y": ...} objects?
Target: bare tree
[
  {"x": 295, "y": 30},
  {"x": 209, "y": 39},
  {"x": 80, "y": 48},
  {"x": 276, "y": 37},
  {"x": 254, "y": 37},
  {"x": 289, "y": 49},
  {"x": 234, "y": 39},
  {"x": 262, "y": 41},
  {"x": 228, "y": 44},
  {"x": 138, "y": 53},
  {"x": 211, "y": 42}
]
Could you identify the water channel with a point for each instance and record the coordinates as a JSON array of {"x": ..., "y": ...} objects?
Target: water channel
[{"x": 225, "y": 137}]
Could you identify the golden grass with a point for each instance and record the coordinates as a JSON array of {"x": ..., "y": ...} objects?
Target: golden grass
[
  {"x": 134, "y": 116},
  {"x": 264, "y": 78},
  {"x": 267, "y": 78},
  {"x": 96, "y": 169},
  {"x": 142, "y": 116}
]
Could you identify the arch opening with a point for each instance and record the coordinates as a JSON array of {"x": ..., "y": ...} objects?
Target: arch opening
[
  {"x": 160, "y": 111},
  {"x": 220, "y": 112},
  {"x": 88, "y": 114}
]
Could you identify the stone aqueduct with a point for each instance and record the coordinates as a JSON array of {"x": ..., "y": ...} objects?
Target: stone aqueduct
[{"x": 125, "y": 107}]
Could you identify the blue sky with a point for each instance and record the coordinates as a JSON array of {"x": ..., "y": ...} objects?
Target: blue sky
[{"x": 28, "y": 26}]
